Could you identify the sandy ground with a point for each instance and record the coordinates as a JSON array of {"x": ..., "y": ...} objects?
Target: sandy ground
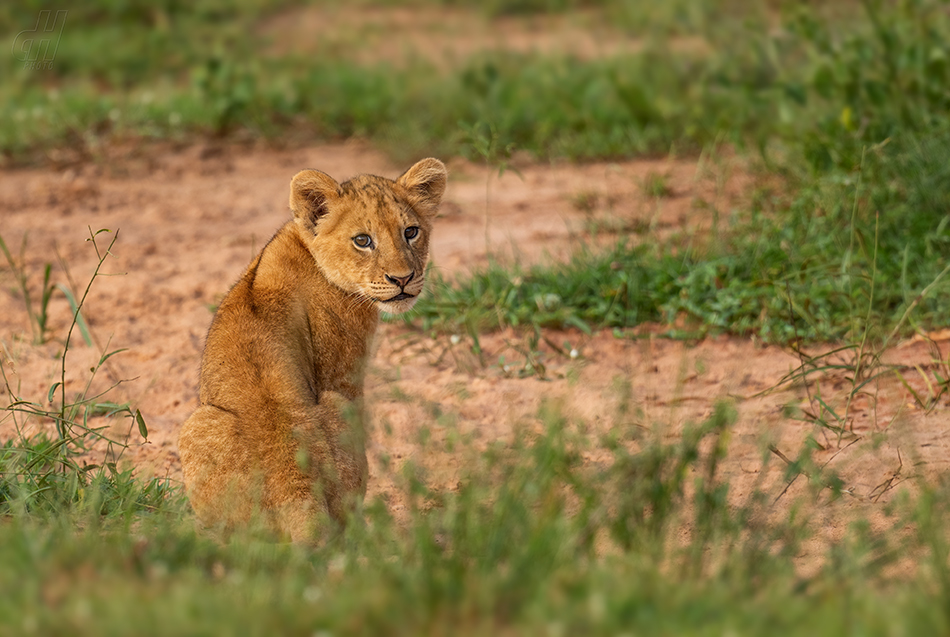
[{"x": 189, "y": 219}]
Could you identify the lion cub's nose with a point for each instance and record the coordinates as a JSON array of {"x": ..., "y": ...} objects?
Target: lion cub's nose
[{"x": 401, "y": 281}]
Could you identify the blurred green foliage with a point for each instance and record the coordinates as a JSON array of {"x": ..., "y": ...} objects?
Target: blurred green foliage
[{"x": 533, "y": 539}]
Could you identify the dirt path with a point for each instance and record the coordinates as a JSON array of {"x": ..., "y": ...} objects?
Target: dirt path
[{"x": 190, "y": 219}]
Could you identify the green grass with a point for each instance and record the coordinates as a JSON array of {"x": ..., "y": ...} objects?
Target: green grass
[
  {"x": 828, "y": 87},
  {"x": 848, "y": 252},
  {"x": 169, "y": 73},
  {"x": 862, "y": 228},
  {"x": 850, "y": 112},
  {"x": 514, "y": 549},
  {"x": 550, "y": 107},
  {"x": 45, "y": 473},
  {"x": 531, "y": 541}
]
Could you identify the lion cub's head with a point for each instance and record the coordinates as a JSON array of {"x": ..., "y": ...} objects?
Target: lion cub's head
[{"x": 370, "y": 235}]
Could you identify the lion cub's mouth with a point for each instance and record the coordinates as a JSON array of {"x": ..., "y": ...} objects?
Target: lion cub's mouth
[{"x": 402, "y": 296}]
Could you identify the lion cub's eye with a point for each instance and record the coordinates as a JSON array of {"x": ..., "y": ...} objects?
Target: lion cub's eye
[
  {"x": 411, "y": 232},
  {"x": 363, "y": 241}
]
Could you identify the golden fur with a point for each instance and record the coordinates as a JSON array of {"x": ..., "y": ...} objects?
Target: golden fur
[{"x": 279, "y": 430}]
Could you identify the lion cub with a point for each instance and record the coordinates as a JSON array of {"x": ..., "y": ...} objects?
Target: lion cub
[{"x": 278, "y": 430}]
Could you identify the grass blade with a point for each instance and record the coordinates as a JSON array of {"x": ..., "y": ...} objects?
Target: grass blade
[
  {"x": 80, "y": 321},
  {"x": 143, "y": 430}
]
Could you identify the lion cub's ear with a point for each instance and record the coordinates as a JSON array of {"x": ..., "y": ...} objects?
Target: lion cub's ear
[
  {"x": 310, "y": 192},
  {"x": 426, "y": 184}
]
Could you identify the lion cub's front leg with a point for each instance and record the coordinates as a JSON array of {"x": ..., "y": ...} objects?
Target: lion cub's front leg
[{"x": 331, "y": 456}]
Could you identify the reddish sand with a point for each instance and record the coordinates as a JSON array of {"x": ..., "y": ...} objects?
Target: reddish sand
[{"x": 189, "y": 220}]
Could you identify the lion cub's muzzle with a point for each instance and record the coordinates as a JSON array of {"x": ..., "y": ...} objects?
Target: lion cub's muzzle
[{"x": 401, "y": 282}]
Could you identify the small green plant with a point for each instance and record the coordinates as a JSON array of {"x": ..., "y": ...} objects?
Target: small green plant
[
  {"x": 586, "y": 201},
  {"x": 656, "y": 185},
  {"x": 42, "y": 471},
  {"x": 38, "y": 318},
  {"x": 228, "y": 88}
]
